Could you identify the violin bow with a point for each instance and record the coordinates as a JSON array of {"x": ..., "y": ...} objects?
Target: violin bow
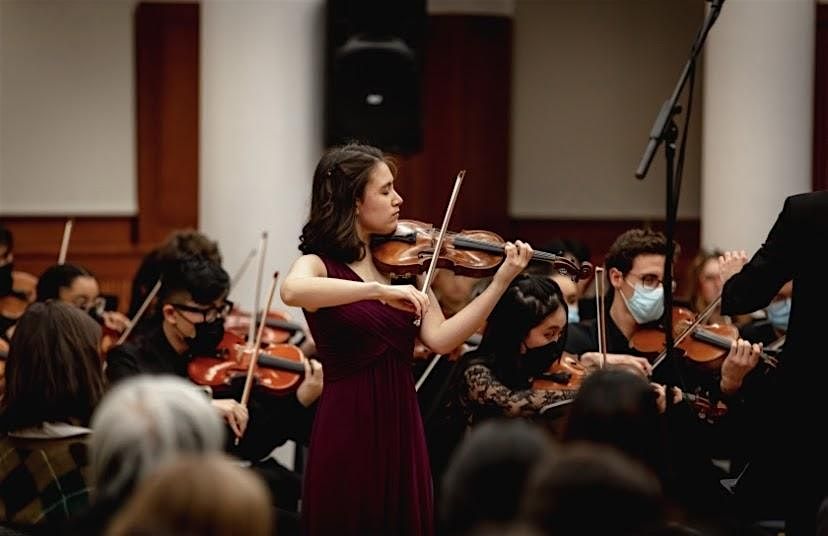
[
  {"x": 458, "y": 181},
  {"x": 689, "y": 329},
  {"x": 262, "y": 251},
  {"x": 601, "y": 319},
  {"x": 140, "y": 312},
  {"x": 242, "y": 269},
  {"x": 777, "y": 344},
  {"x": 254, "y": 350},
  {"x": 64, "y": 243},
  {"x": 441, "y": 237}
]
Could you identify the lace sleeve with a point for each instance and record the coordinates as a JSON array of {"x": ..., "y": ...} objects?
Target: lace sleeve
[{"x": 484, "y": 389}]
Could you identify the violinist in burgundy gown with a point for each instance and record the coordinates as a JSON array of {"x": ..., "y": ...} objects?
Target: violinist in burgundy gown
[{"x": 368, "y": 469}]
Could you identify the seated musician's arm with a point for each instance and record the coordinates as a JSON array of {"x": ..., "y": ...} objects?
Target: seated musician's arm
[
  {"x": 484, "y": 389},
  {"x": 121, "y": 363}
]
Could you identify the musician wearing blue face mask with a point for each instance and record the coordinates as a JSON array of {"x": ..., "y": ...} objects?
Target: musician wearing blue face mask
[
  {"x": 772, "y": 329},
  {"x": 779, "y": 312},
  {"x": 570, "y": 294},
  {"x": 634, "y": 266},
  {"x": 635, "y": 269}
]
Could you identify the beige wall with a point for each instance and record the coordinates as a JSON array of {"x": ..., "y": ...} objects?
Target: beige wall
[
  {"x": 589, "y": 77},
  {"x": 67, "y": 135}
]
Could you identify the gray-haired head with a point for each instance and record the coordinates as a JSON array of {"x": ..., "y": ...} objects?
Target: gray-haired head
[{"x": 144, "y": 422}]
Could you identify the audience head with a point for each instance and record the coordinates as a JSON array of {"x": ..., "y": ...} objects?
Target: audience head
[
  {"x": 182, "y": 498},
  {"x": 144, "y": 422},
  {"x": 487, "y": 475},
  {"x": 593, "y": 490},
  {"x": 54, "y": 371},
  {"x": 617, "y": 407}
]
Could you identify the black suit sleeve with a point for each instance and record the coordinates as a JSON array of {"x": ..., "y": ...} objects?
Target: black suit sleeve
[
  {"x": 769, "y": 269},
  {"x": 121, "y": 363}
]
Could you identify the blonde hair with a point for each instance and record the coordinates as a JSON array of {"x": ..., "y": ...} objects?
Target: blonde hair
[{"x": 182, "y": 498}]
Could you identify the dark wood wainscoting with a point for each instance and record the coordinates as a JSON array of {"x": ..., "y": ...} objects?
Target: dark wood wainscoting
[
  {"x": 167, "y": 134},
  {"x": 103, "y": 245}
]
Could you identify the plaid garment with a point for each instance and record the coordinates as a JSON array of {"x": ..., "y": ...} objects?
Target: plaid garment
[{"x": 43, "y": 480}]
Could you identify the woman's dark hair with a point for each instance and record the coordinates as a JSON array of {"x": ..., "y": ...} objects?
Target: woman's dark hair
[
  {"x": 634, "y": 242},
  {"x": 203, "y": 279},
  {"x": 57, "y": 277},
  {"x": 616, "y": 407},
  {"x": 488, "y": 473},
  {"x": 54, "y": 371},
  {"x": 338, "y": 183},
  {"x": 593, "y": 489},
  {"x": 525, "y": 304}
]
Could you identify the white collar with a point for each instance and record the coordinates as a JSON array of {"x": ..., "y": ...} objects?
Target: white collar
[{"x": 50, "y": 430}]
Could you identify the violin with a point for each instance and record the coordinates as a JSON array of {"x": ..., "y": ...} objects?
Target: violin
[
  {"x": 566, "y": 373},
  {"x": 704, "y": 408},
  {"x": 477, "y": 253},
  {"x": 113, "y": 326},
  {"x": 278, "y": 326},
  {"x": 279, "y": 368},
  {"x": 704, "y": 345}
]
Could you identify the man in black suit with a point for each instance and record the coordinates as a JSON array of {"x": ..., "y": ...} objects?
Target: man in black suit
[{"x": 790, "y": 444}]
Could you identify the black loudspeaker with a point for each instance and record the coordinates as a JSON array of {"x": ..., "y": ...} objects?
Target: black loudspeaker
[{"x": 374, "y": 60}]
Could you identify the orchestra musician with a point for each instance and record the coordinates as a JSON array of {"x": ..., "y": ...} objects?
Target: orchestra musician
[
  {"x": 635, "y": 267},
  {"x": 193, "y": 304},
  {"x": 77, "y": 286}
]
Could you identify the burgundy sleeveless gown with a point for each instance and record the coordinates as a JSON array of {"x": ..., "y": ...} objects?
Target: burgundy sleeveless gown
[{"x": 367, "y": 470}]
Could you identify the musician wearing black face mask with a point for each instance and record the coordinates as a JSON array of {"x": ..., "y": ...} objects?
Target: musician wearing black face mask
[
  {"x": 521, "y": 340},
  {"x": 524, "y": 335},
  {"x": 193, "y": 311},
  {"x": 192, "y": 306}
]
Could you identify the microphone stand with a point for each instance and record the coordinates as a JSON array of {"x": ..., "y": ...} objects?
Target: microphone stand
[{"x": 665, "y": 130}]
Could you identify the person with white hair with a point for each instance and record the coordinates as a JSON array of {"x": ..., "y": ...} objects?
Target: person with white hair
[{"x": 141, "y": 424}]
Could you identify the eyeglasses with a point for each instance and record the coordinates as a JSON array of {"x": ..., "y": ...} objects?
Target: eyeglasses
[
  {"x": 208, "y": 314},
  {"x": 98, "y": 305},
  {"x": 650, "y": 281}
]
